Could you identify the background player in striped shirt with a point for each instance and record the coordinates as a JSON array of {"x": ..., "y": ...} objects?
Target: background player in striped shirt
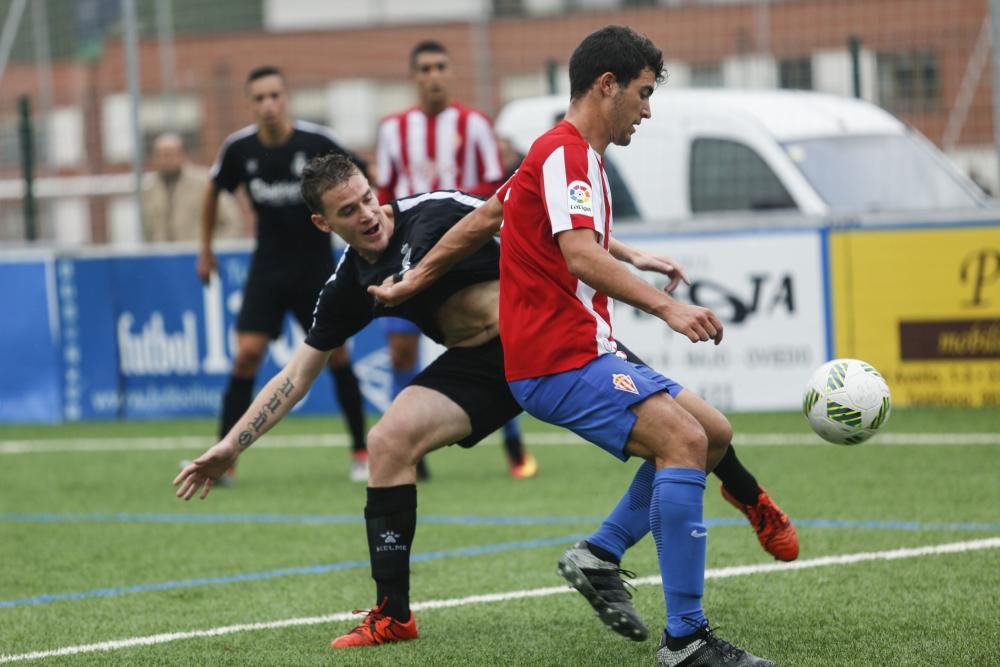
[
  {"x": 292, "y": 259},
  {"x": 439, "y": 144}
]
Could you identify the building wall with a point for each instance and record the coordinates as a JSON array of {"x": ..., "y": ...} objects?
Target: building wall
[{"x": 514, "y": 54}]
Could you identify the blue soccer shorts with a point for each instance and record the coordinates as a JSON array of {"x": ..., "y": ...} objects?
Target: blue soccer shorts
[{"x": 594, "y": 401}]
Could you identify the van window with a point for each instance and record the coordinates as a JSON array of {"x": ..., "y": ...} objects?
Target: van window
[
  {"x": 624, "y": 204},
  {"x": 868, "y": 173},
  {"x": 730, "y": 176}
]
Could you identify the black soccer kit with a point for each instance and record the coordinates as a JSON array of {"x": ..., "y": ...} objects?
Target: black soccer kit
[
  {"x": 472, "y": 377},
  {"x": 293, "y": 258}
]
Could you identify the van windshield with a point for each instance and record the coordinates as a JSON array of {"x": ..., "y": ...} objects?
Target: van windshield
[{"x": 871, "y": 173}]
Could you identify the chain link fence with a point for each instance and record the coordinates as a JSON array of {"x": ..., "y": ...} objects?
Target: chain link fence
[{"x": 65, "y": 88}]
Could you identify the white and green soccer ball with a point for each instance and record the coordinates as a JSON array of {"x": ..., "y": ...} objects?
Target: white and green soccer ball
[{"x": 846, "y": 401}]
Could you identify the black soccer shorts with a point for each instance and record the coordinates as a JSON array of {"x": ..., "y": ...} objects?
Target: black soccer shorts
[
  {"x": 269, "y": 294},
  {"x": 473, "y": 378}
]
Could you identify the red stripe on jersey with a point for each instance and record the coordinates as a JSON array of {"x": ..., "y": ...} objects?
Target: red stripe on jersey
[
  {"x": 431, "y": 148},
  {"x": 403, "y": 180},
  {"x": 461, "y": 148}
]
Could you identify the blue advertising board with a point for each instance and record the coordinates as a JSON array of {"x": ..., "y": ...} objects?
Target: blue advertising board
[
  {"x": 30, "y": 366},
  {"x": 139, "y": 337}
]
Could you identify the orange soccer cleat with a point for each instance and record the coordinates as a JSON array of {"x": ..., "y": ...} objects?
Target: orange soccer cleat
[
  {"x": 774, "y": 529},
  {"x": 376, "y": 629},
  {"x": 526, "y": 469}
]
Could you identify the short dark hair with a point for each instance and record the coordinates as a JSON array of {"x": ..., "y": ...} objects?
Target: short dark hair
[
  {"x": 262, "y": 71},
  {"x": 322, "y": 173},
  {"x": 426, "y": 46},
  {"x": 616, "y": 49}
]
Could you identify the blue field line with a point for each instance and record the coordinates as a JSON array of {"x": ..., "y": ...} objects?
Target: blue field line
[
  {"x": 453, "y": 520},
  {"x": 284, "y": 572},
  {"x": 129, "y": 517},
  {"x": 420, "y": 557}
]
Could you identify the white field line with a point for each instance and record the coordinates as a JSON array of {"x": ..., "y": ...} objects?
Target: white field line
[
  {"x": 719, "y": 573},
  {"x": 196, "y": 443}
]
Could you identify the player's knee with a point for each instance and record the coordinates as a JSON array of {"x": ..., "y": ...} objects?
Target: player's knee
[
  {"x": 247, "y": 362},
  {"x": 403, "y": 351},
  {"x": 339, "y": 358},
  {"x": 691, "y": 440},
  {"x": 388, "y": 449},
  {"x": 720, "y": 434}
]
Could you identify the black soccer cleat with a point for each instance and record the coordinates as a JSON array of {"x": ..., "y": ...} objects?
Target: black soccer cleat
[
  {"x": 705, "y": 649},
  {"x": 600, "y": 582}
]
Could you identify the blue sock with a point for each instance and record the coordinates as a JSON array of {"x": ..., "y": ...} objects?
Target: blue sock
[
  {"x": 512, "y": 429},
  {"x": 629, "y": 521},
  {"x": 401, "y": 378},
  {"x": 675, "y": 519}
]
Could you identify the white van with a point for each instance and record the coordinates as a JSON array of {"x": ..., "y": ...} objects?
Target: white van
[{"x": 725, "y": 151}]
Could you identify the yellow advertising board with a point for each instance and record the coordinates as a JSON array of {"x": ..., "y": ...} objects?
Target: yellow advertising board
[{"x": 923, "y": 307}]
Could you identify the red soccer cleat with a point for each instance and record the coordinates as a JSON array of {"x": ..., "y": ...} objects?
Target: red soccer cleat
[
  {"x": 774, "y": 529},
  {"x": 377, "y": 628},
  {"x": 526, "y": 469}
]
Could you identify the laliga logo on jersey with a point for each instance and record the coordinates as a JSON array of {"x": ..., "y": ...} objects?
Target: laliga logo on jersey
[
  {"x": 580, "y": 199},
  {"x": 624, "y": 382}
]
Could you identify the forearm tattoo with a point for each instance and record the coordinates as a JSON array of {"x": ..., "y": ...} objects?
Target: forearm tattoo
[{"x": 248, "y": 436}]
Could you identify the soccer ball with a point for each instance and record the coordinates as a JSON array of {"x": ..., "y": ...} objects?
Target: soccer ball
[{"x": 846, "y": 401}]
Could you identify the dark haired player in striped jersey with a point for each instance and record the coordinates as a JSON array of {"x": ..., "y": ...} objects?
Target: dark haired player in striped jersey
[
  {"x": 292, "y": 259},
  {"x": 438, "y": 144}
]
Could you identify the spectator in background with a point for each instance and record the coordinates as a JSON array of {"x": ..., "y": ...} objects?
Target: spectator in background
[
  {"x": 439, "y": 144},
  {"x": 173, "y": 194}
]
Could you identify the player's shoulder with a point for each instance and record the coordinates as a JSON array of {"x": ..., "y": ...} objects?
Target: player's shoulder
[
  {"x": 397, "y": 116},
  {"x": 344, "y": 267},
  {"x": 469, "y": 110},
  {"x": 438, "y": 199},
  {"x": 562, "y": 136},
  {"x": 243, "y": 136},
  {"x": 312, "y": 130}
]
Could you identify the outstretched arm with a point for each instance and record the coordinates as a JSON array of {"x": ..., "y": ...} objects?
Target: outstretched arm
[
  {"x": 589, "y": 262},
  {"x": 646, "y": 262},
  {"x": 274, "y": 401},
  {"x": 467, "y": 236}
]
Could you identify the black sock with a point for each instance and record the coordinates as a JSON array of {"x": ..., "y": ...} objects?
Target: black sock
[
  {"x": 235, "y": 401},
  {"x": 391, "y": 520},
  {"x": 603, "y": 554},
  {"x": 737, "y": 479},
  {"x": 349, "y": 396},
  {"x": 515, "y": 450},
  {"x": 677, "y": 643}
]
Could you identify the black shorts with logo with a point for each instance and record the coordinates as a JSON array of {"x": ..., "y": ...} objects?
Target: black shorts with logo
[
  {"x": 269, "y": 294},
  {"x": 473, "y": 378}
]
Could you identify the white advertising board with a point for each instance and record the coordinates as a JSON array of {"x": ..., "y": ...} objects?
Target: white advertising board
[{"x": 767, "y": 288}]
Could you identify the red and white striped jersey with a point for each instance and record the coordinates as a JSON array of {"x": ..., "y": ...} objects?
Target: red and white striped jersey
[
  {"x": 453, "y": 150},
  {"x": 550, "y": 321}
]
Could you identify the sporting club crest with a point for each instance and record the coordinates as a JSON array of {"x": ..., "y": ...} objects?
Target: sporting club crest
[{"x": 624, "y": 382}]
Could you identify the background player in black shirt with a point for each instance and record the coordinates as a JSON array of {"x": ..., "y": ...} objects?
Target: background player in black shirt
[{"x": 292, "y": 258}]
